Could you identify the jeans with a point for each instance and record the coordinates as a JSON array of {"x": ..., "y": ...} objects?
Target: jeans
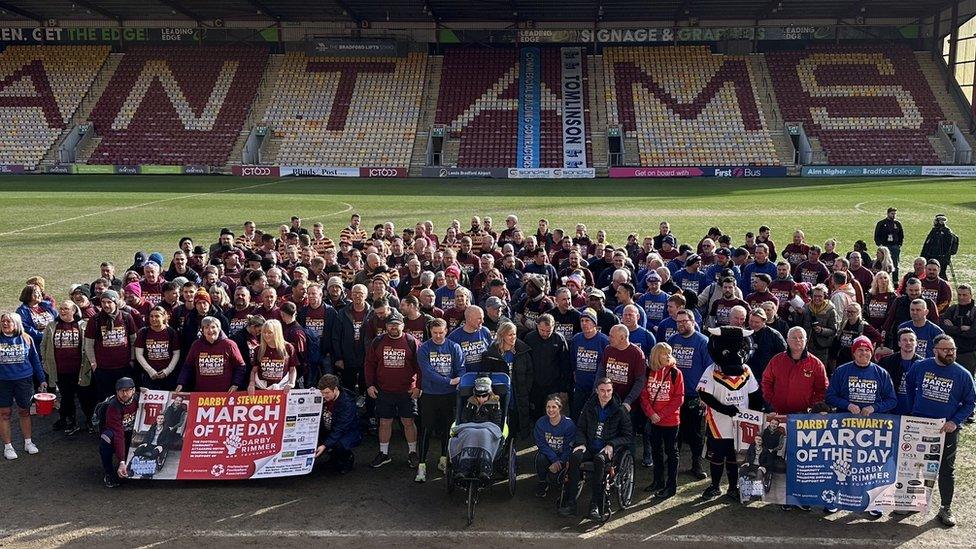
[{"x": 106, "y": 451}]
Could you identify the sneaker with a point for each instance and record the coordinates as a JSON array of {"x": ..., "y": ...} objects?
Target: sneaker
[
  {"x": 733, "y": 494},
  {"x": 30, "y": 448},
  {"x": 380, "y": 460},
  {"x": 655, "y": 486},
  {"x": 875, "y": 514},
  {"x": 786, "y": 508},
  {"x": 712, "y": 492},
  {"x": 946, "y": 517},
  {"x": 421, "y": 473},
  {"x": 541, "y": 489},
  {"x": 9, "y": 453},
  {"x": 412, "y": 460},
  {"x": 567, "y": 510},
  {"x": 803, "y": 507},
  {"x": 647, "y": 461},
  {"x": 72, "y": 429},
  {"x": 595, "y": 513},
  {"x": 442, "y": 464},
  {"x": 110, "y": 481},
  {"x": 830, "y": 510},
  {"x": 697, "y": 474},
  {"x": 59, "y": 425}
]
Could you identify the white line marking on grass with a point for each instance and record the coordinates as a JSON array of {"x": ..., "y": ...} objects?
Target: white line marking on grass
[
  {"x": 124, "y": 208},
  {"x": 273, "y": 507},
  {"x": 567, "y": 535},
  {"x": 348, "y": 208}
]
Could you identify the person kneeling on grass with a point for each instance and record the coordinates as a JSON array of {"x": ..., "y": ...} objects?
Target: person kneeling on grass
[
  {"x": 117, "y": 416},
  {"x": 340, "y": 431}
]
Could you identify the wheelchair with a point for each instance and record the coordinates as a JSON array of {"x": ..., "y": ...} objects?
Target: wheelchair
[
  {"x": 502, "y": 462},
  {"x": 618, "y": 483}
]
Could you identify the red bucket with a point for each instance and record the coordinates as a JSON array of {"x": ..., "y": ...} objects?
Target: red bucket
[{"x": 45, "y": 403}]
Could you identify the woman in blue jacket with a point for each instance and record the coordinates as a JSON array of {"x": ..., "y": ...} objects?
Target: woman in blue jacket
[
  {"x": 35, "y": 312},
  {"x": 554, "y": 434},
  {"x": 20, "y": 363}
]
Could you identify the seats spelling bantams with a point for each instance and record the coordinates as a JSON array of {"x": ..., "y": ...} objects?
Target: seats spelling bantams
[
  {"x": 686, "y": 106},
  {"x": 177, "y": 105},
  {"x": 40, "y": 89},
  {"x": 868, "y": 105},
  {"x": 347, "y": 111}
]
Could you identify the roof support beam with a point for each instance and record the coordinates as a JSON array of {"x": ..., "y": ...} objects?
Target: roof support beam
[{"x": 21, "y": 12}]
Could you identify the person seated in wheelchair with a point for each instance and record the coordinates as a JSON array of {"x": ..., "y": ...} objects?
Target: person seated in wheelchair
[
  {"x": 155, "y": 443},
  {"x": 478, "y": 435},
  {"x": 483, "y": 405},
  {"x": 554, "y": 435},
  {"x": 604, "y": 430}
]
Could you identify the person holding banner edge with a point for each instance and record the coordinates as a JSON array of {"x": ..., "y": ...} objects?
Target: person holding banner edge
[
  {"x": 339, "y": 432},
  {"x": 941, "y": 388},
  {"x": 862, "y": 388}
]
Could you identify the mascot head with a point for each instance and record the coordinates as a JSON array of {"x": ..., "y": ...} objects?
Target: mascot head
[{"x": 729, "y": 348}]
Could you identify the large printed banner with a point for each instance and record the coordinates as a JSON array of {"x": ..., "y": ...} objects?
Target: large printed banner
[
  {"x": 696, "y": 171},
  {"x": 225, "y": 436},
  {"x": 530, "y": 108},
  {"x": 881, "y": 462},
  {"x": 551, "y": 173},
  {"x": 574, "y": 122}
]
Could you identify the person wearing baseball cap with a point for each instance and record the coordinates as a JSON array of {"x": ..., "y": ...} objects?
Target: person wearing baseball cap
[
  {"x": 596, "y": 300},
  {"x": 861, "y": 387},
  {"x": 586, "y": 351},
  {"x": 394, "y": 379},
  {"x": 336, "y": 293},
  {"x": 495, "y": 313},
  {"x": 116, "y": 433},
  {"x": 109, "y": 342}
]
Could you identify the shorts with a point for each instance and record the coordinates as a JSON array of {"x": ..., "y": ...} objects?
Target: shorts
[
  {"x": 719, "y": 450},
  {"x": 20, "y": 390},
  {"x": 393, "y": 405}
]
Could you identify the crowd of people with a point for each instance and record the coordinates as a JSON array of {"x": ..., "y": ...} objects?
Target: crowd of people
[{"x": 606, "y": 345}]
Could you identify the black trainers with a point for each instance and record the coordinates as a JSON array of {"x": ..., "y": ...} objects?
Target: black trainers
[
  {"x": 567, "y": 510},
  {"x": 71, "y": 427},
  {"x": 595, "y": 513},
  {"x": 110, "y": 481},
  {"x": 412, "y": 460},
  {"x": 697, "y": 473},
  {"x": 380, "y": 460},
  {"x": 665, "y": 493},
  {"x": 655, "y": 486},
  {"x": 711, "y": 492},
  {"x": 541, "y": 489},
  {"x": 946, "y": 517},
  {"x": 733, "y": 494}
]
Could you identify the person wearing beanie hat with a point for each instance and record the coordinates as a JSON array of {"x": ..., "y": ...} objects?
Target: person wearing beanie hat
[
  {"x": 536, "y": 303},
  {"x": 586, "y": 350},
  {"x": 109, "y": 342},
  {"x": 156, "y": 258},
  {"x": 444, "y": 296},
  {"x": 691, "y": 277},
  {"x": 201, "y": 307},
  {"x": 861, "y": 387}
]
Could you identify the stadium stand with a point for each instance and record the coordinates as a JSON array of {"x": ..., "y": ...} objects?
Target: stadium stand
[
  {"x": 867, "y": 104},
  {"x": 40, "y": 89},
  {"x": 346, "y": 111},
  {"x": 177, "y": 105},
  {"x": 479, "y": 102},
  {"x": 687, "y": 107}
]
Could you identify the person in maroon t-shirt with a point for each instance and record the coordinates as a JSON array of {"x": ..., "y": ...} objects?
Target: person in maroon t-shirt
[
  {"x": 120, "y": 418},
  {"x": 269, "y": 305},
  {"x": 242, "y": 308},
  {"x": 275, "y": 364},
  {"x": 415, "y": 323},
  {"x": 783, "y": 287},
  {"x": 393, "y": 379},
  {"x": 879, "y": 300},
  {"x": 718, "y": 314},
  {"x": 934, "y": 287},
  {"x": 135, "y": 304},
  {"x": 455, "y": 315},
  {"x": 624, "y": 364},
  {"x": 812, "y": 271},
  {"x": 796, "y": 252},
  {"x": 294, "y": 334},
  {"x": 81, "y": 295},
  {"x": 761, "y": 293},
  {"x": 109, "y": 344},
  {"x": 214, "y": 362},
  {"x": 151, "y": 285},
  {"x": 62, "y": 354},
  {"x": 158, "y": 351}
]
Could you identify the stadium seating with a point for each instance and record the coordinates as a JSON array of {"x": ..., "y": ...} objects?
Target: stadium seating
[
  {"x": 868, "y": 105},
  {"x": 346, "y": 111},
  {"x": 479, "y": 103},
  {"x": 40, "y": 89},
  {"x": 177, "y": 105},
  {"x": 686, "y": 106}
]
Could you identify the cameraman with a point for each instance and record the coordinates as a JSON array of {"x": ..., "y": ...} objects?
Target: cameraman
[{"x": 941, "y": 244}]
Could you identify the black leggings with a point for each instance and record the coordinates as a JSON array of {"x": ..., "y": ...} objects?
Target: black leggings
[
  {"x": 68, "y": 385},
  {"x": 664, "y": 444},
  {"x": 104, "y": 381},
  {"x": 690, "y": 429},
  {"x": 436, "y": 415}
]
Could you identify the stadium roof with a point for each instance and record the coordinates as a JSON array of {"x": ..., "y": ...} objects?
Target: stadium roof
[{"x": 464, "y": 10}]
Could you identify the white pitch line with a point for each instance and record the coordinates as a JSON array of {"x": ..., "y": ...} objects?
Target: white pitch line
[
  {"x": 347, "y": 209},
  {"x": 512, "y": 535},
  {"x": 273, "y": 507},
  {"x": 136, "y": 206}
]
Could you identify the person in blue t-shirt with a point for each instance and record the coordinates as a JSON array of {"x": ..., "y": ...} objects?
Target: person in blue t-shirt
[
  {"x": 861, "y": 387},
  {"x": 925, "y": 330},
  {"x": 638, "y": 335},
  {"x": 941, "y": 388},
  {"x": 554, "y": 435},
  {"x": 585, "y": 353},
  {"x": 654, "y": 302},
  {"x": 690, "y": 349},
  {"x": 473, "y": 338},
  {"x": 441, "y": 363},
  {"x": 691, "y": 277},
  {"x": 898, "y": 365}
]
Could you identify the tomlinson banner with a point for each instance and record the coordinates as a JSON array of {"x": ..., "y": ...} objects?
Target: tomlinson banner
[
  {"x": 574, "y": 123},
  {"x": 530, "y": 106},
  {"x": 224, "y": 436}
]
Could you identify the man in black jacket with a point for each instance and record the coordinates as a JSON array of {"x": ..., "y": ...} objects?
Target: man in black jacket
[
  {"x": 766, "y": 341},
  {"x": 550, "y": 361},
  {"x": 941, "y": 243},
  {"x": 889, "y": 233},
  {"x": 604, "y": 428}
]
